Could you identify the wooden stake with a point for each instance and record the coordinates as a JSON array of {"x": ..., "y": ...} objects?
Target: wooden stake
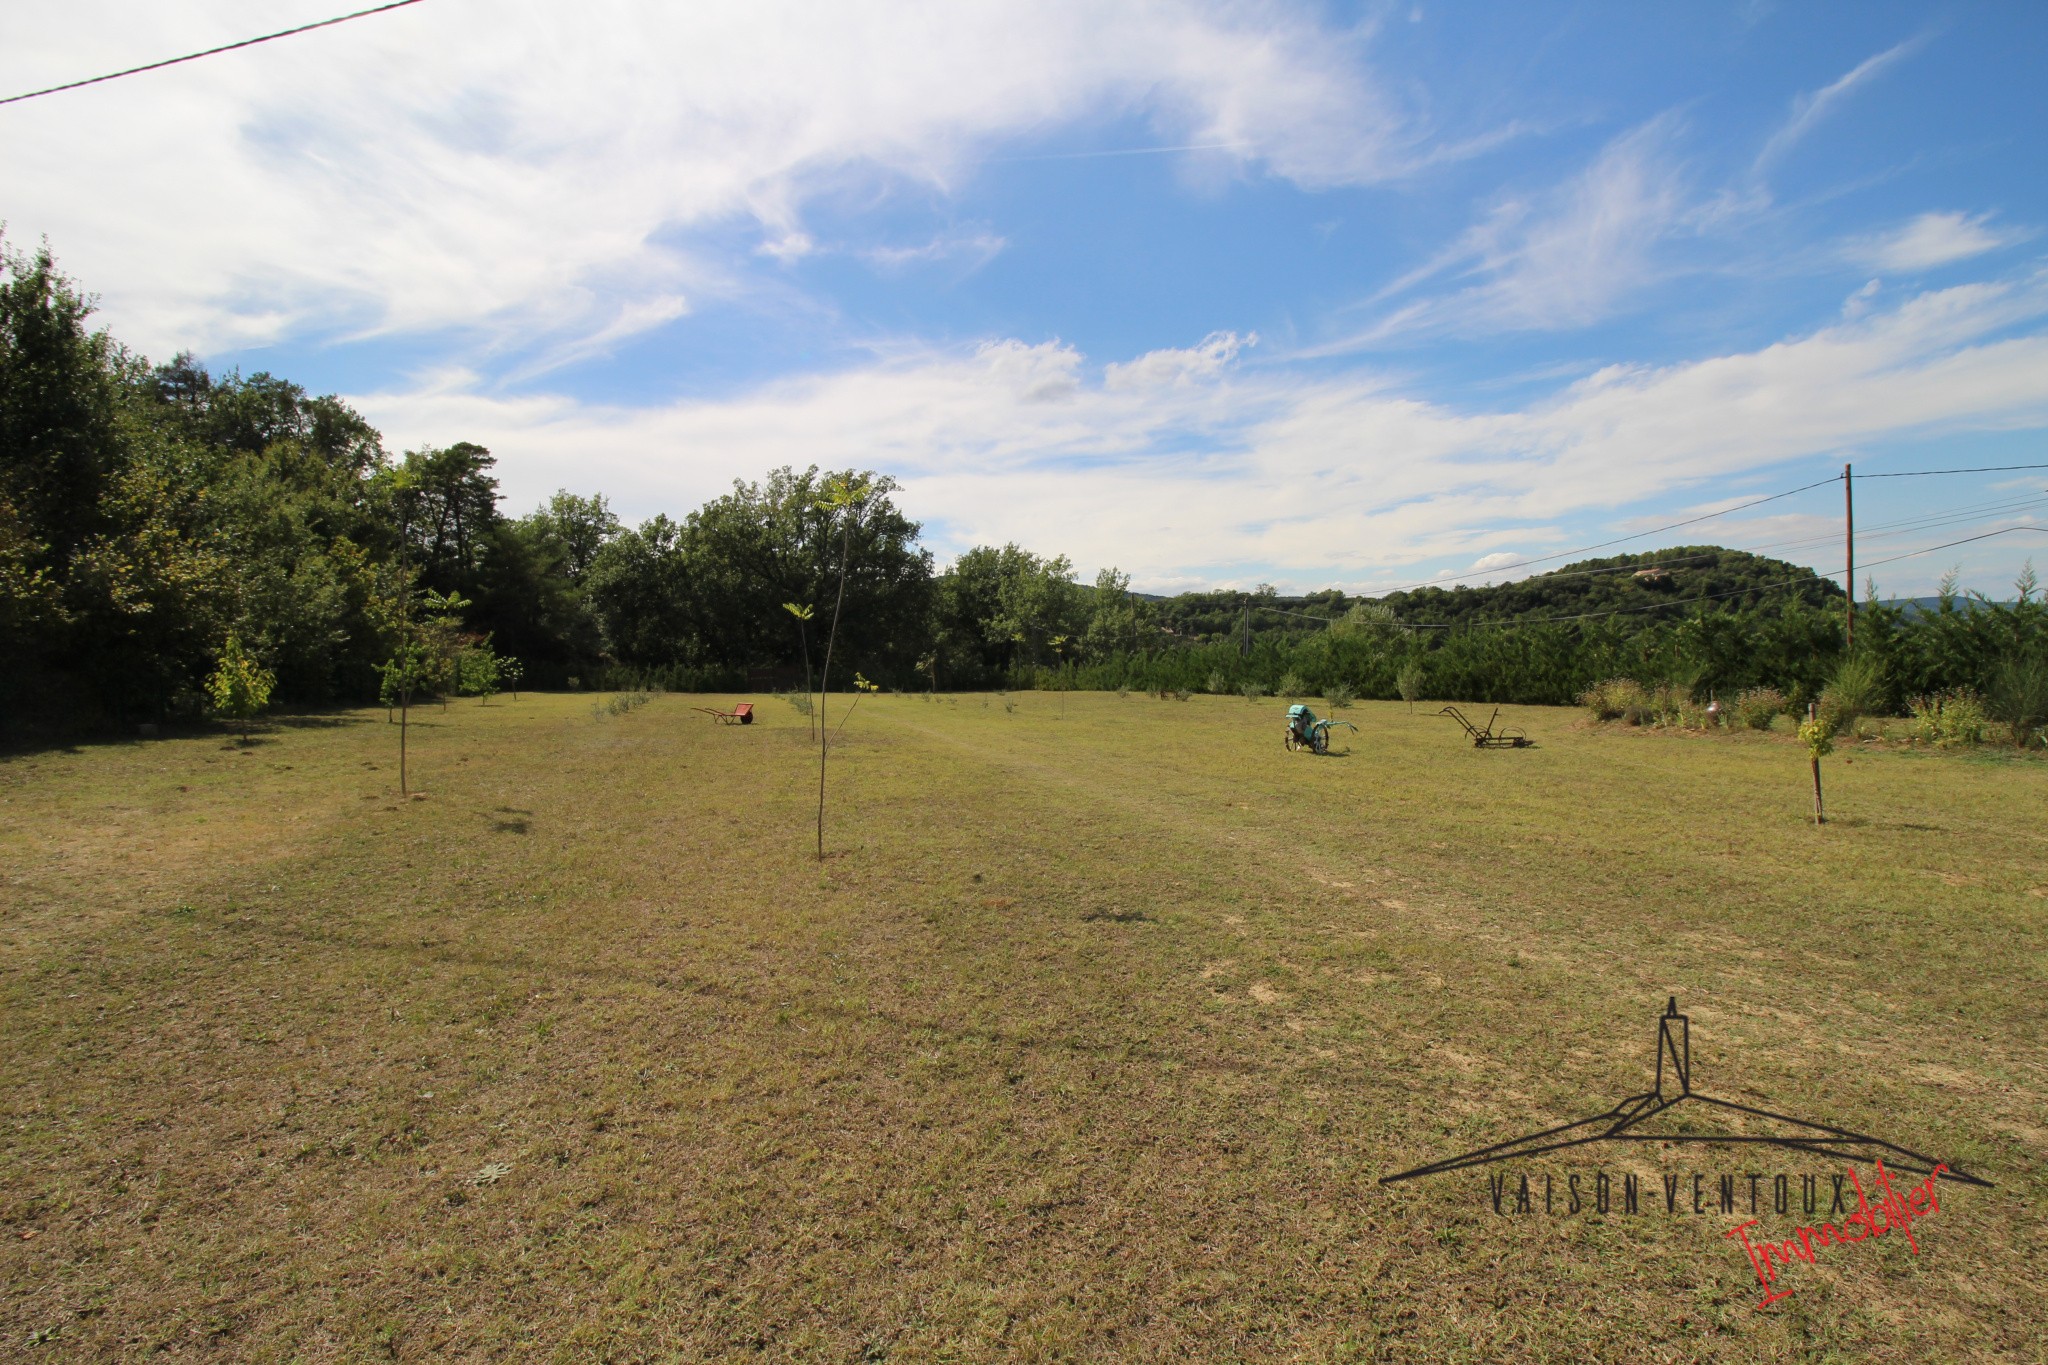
[
  {"x": 1820, "y": 815},
  {"x": 1849, "y": 534}
]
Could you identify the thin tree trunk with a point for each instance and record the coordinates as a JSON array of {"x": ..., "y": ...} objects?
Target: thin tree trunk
[
  {"x": 825, "y": 676},
  {"x": 404, "y": 710},
  {"x": 1820, "y": 816},
  {"x": 803, "y": 640}
]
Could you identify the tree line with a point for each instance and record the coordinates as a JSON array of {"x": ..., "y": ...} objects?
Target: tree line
[{"x": 165, "y": 531}]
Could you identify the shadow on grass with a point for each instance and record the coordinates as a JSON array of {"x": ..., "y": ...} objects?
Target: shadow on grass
[{"x": 18, "y": 743}]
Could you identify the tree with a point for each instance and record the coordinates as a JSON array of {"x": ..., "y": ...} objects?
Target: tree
[
  {"x": 1817, "y": 733},
  {"x": 844, "y": 499},
  {"x": 642, "y": 593},
  {"x": 427, "y": 637},
  {"x": 803, "y": 613},
  {"x": 1409, "y": 682},
  {"x": 445, "y": 504},
  {"x": 1112, "y": 616},
  {"x": 239, "y": 687},
  {"x": 477, "y": 671},
  {"x": 512, "y": 671},
  {"x": 765, "y": 544}
]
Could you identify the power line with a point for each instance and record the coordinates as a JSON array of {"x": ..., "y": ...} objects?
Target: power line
[
  {"x": 1694, "y": 521},
  {"x": 1981, "y": 469},
  {"x": 1884, "y": 530},
  {"x": 211, "y": 51}
]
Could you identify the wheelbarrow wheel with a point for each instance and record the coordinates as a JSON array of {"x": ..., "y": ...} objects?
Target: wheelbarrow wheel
[
  {"x": 1292, "y": 742},
  {"x": 1321, "y": 741}
]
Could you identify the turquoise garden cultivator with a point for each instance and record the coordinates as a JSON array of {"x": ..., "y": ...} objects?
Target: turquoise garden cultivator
[{"x": 1304, "y": 731}]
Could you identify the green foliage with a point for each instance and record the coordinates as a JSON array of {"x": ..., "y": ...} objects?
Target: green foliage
[
  {"x": 148, "y": 512},
  {"x": 1818, "y": 735},
  {"x": 1253, "y": 690},
  {"x": 1949, "y": 719},
  {"x": 1757, "y": 707},
  {"x": 1608, "y": 700},
  {"x": 1408, "y": 681},
  {"x": 477, "y": 671},
  {"x": 2018, "y": 695},
  {"x": 1855, "y": 690},
  {"x": 1339, "y": 696},
  {"x": 239, "y": 687}
]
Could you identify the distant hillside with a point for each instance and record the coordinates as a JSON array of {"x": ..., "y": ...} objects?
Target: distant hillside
[
  {"x": 1723, "y": 578},
  {"x": 1686, "y": 573}
]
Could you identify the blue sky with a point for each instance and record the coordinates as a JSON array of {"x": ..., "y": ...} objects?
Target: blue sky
[{"x": 1343, "y": 295}]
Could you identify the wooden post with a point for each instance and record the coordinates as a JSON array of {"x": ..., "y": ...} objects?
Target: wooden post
[
  {"x": 1820, "y": 815},
  {"x": 1849, "y": 534}
]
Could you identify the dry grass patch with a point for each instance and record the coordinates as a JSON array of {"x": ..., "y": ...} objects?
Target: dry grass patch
[{"x": 1082, "y": 1046}]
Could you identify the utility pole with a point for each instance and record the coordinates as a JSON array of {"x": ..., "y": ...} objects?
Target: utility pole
[
  {"x": 1244, "y": 643},
  {"x": 1849, "y": 532}
]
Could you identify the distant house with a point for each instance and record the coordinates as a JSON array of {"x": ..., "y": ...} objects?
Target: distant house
[{"x": 1653, "y": 574}]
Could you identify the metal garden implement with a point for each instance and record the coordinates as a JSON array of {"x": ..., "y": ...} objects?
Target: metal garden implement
[
  {"x": 1485, "y": 736},
  {"x": 1304, "y": 731}
]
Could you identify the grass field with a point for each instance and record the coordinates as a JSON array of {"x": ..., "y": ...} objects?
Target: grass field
[{"x": 1090, "y": 1039}]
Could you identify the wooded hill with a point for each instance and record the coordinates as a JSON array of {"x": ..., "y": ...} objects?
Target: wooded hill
[{"x": 1683, "y": 578}]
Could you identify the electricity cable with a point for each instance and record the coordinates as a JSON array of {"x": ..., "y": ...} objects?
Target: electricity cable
[
  {"x": 1923, "y": 473},
  {"x": 209, "y": 52}
]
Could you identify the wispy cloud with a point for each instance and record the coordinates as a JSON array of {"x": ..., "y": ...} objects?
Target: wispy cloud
[
  {"x": 1559, "y": 260},
  {"x": 1178, "y": 367},
  {"x": 971, "y": 249},
  {"x": 1934, "y": 239},
  {"x": 1810, "y": 108}
]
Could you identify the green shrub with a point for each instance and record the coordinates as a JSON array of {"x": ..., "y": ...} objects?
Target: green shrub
[
  {"x": 1253, "y": 691},
  {"x": 1757, "y": 707},
  {"x": 1855, "y": 690},
  {"x": 1218, "y": 684},
  {"x": 1339, "y": 696},
  {"x": 1291, "y": 685},
  {"x": 1666, "y": 704},
  {"x": 1408, "y": 682},
  {"x": 2018, "y": 695},
  {"x": 1628, "y": 701},
  {"x": 239, "y": 687},
  {"x": 1599, "y": 700},
  {"x": 1949, "y": 719}
]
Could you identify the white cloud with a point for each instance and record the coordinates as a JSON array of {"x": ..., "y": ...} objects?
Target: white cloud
[
  {"x": 1270, "y": 473},
  {"x": 525, "y": 166},
  {"x": 1810, "y": 108},
  {"x": 1498, "y": 560},
  {"x": 1170, "y": 367},
  {"x": 975, "y": 249},
  {"x": 1934, "y": 239},
  {"x": 1561, "y": 260},
  {"x": 1860, "y": 302}
]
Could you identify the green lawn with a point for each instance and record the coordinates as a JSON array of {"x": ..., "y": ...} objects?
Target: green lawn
[{"x": 1090, "y": 1039}]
